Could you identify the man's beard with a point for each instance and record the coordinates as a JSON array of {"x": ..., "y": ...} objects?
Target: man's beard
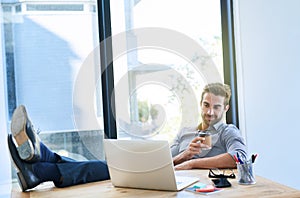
[{"x": 210, "y": 122}]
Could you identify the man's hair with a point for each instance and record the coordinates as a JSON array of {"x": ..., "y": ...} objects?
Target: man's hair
[{"x": 218, "y": 89}]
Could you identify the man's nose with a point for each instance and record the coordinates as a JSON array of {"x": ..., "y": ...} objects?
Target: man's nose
[{"x": 210, "y": 111}]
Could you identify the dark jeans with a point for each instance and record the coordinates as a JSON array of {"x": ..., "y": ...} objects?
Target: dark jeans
[{"x": 75, "y": 172}]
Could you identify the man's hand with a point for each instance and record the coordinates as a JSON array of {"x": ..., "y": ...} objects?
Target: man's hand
[{"x": 193, "y": 149}]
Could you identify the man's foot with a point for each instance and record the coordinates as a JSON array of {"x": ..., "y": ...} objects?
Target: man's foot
[
  {"x": 28, "y": 143},
  {"x": 26, "y": 176}
]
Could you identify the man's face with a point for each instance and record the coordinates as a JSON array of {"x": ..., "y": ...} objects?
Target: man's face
[{"x": 213, "y": 108}]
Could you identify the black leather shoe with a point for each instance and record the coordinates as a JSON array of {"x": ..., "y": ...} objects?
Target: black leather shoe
[
  {"x": 28, "y": 143},
  {"x": 26, "y": 177}
]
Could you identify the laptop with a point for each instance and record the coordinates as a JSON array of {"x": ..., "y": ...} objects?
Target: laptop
[{"x": 144, "y": 164}]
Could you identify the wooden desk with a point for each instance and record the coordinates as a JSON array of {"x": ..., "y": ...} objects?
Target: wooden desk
[{"x": 262, "y": 188}]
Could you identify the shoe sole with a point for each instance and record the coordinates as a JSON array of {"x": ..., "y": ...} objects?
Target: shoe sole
[{"x": 18, "y": 130}]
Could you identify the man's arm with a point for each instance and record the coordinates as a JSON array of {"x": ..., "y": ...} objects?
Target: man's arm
[
  {"x": 224, "y": 160},
  {"x": 193, "y": 149}
]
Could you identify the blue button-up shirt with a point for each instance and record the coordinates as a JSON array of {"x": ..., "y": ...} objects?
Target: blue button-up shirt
[{"x": 226, "y": 138}]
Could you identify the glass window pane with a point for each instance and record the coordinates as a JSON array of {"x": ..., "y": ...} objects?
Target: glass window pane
[
  {"x": 52, "y": 67},
  {"x": 165, "y": 51}
]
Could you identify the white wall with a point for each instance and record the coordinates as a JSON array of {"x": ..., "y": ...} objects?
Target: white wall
[{"x": 268, "y": 67}]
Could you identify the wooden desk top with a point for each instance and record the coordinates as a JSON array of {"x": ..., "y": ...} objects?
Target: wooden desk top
[{"x": 262, "y": 188}]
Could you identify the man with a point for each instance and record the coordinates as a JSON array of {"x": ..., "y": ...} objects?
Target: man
[
  {"x": 187, "y": 149},
  {"x": 35, "y": 163}
]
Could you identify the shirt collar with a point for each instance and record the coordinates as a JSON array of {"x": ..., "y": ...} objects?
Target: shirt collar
[{"x": 217, "y": 125}]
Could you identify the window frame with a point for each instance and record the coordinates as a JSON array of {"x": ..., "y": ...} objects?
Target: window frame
[{"x": 229, "y": 59}]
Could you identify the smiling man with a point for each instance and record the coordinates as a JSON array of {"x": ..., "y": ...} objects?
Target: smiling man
[{"x": 189, "y": 150}]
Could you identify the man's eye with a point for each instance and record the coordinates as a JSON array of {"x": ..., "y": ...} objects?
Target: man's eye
[{"x": 217, "y": 107}]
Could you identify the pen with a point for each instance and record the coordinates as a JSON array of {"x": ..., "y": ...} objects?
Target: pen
[
  {"x": 253, "y": 157},
  {"x": 236, "y": 159},
  {"x": 239, "y": 159}
]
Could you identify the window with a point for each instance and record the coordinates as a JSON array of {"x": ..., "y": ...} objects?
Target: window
[
  {"x": 48, "y": 46},
  {"x": 164, "y": 53}
]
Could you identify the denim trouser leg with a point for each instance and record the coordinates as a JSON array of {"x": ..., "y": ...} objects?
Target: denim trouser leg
[
  {"x": 75, "y": 172},
  {"x": 47, "y": 155}
]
